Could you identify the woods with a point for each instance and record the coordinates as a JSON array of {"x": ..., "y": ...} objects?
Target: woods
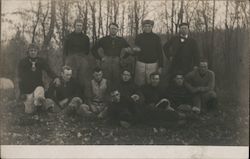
[{"x": 221, "y": 29}]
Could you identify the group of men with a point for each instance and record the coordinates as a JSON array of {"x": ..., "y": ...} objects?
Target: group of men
[{"x": 117, "y": 90}]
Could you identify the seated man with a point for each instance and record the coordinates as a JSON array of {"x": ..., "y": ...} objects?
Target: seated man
[
  {"x": 178, "y": 93},
  {"x": 128, "y": 89},
  {"x": 157, "y": 106},
  {"x": 120, "y": 110},
  {"x": 99, "y": 93},
  {"x": 201, "y": 83},
  {"x": 30, "y": 80},
  {"x": 67, "y": 95},
  {"x": 154, "y": 94}
]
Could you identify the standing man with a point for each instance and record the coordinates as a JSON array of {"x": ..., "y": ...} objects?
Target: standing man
[
  {"x": 149, "y": 53},
  {"x": 108, "y": 50},
  {"x": 30, "y": 79},
  {"x": 201, "y": 83},
  {"x": 182, "y": 52},
  {"x": 76, "y": 49}
]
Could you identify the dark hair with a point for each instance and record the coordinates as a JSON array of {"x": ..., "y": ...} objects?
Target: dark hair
[
  {"x": 66, "y": 68},
  {"x": 184, "y": 24},
  {"x": 33, "y": 45},
  {"x": 203, "y": 60},
  {"x": 123, "y": 70},
  {"x": 154, "y": 74},
  {"x": 115, "y": 24},
  {"x": 78, "y": 20},
  {"x": 97, "y": 69}
]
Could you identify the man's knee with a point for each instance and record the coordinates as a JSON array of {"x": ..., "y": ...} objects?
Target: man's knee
[
  {"x": 210, "y": 95},
  {"x": 39, "y": 92}
]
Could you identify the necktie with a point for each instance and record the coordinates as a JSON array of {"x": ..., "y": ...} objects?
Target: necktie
[{"x": 33, "y": 66}]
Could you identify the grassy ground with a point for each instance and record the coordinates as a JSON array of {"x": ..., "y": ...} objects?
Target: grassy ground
[{"x": 224, "y": 127}]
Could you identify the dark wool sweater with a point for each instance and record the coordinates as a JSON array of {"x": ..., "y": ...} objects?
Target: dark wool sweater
[
  {"x": 68, "y": 90},
  {"x": 76, "y": 43},
  {"x": 28, "y": 79},
  {"x": 152, "y": 94},
  {"x": 127, "y": 89},
  {"x": 151, "y": 49},
  {"x": 178, "y": 94},
  {"x": 185, "y": 54},
  {"x": 112, "y": 46}
]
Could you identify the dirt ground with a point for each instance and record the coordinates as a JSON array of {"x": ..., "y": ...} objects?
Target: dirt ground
[{"x": 223, "y": 127}]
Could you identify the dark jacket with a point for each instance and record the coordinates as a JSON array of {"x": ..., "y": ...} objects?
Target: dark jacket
[
  {"x": 112, "y": 46},
  {"x": 28, "y": 79},
  {"x": 152, "y": 94},
  {"x": 151, "y": 49},
  {"x": 185, "y": 54},
  {"x": 127, "y": 89},
  {"x": 68, "y": 90},
  {"x": 76, "y": 43},
  {"x": 178, "y": 95}
]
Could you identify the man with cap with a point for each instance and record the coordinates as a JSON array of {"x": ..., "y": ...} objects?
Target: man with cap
[
  {"x": 108, "y": 50},
  {"x": 182, "y": 52},
  {"x": 30, "y": 79},
  {"x": 148, "y": 52},
  {"x": 75, "y": 51}
]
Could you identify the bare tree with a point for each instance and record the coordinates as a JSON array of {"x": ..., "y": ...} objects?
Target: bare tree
[
  {"x": 36, "y": 21},
  {"x": 93, "y": 15},
  {"x": 48, "y": 36}
]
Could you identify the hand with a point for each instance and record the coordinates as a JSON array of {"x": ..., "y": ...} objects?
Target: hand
[
  {"x": 135, "y": 97},
  {"x": 160, "y": 70},
  {"x": 63, "y": 102},
  {"x": 136, "y": 49},
  {"x": 100, "y": 116},
  {"x": 169, "y": 108},
  {"x": 195, "y": 68},
  {"x": 104, "y": 59},
  {"x": 57, "y": 82},
  {"x": 171, "y": 59},
  {"x": 128, "y": 50}
]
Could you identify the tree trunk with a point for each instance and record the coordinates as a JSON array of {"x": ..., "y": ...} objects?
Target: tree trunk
[
  {"x": 172, "y": 18},
  {"x": 51, "y": 27},
  {"x": 210, "y": 58}
]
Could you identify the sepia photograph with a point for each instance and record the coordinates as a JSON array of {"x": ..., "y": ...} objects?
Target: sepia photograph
[{"x": 156, "y": 75}]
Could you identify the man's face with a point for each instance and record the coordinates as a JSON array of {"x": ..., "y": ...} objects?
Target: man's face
[
  {"x": 33, "y": 52},
  {"x": 179, "y": 80},
  {"x": 147, "y": 28},
  {"x": 113, "y": 30},
  {"x": 126, "y": 76},
  {"x": 66, "y": 75},
  {"x": 78, "y": 27},
  {"x": 184, "y": 30},
  {"x": 98, "y": 76},
  {"x": 155, "y": 79},
  {"x": 203, "y": 67},
  {"x": 115, "y": 96}
]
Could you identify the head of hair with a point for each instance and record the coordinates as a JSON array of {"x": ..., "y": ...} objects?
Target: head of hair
[
  {"x": 97, "y": 69},
  {"x": 66, "y": 68},
  {"x": 115, "y": 24},
  {"x": 204, "y": 60},
  {"x": 78, "y": 20},
  {"x": 184, "y": 24},
  {"x": 33, "y": 46},
  {"x": 125, "y": 69}
]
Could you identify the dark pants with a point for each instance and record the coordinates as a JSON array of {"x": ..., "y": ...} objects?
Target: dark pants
[{"x": 205, "y": 101}]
